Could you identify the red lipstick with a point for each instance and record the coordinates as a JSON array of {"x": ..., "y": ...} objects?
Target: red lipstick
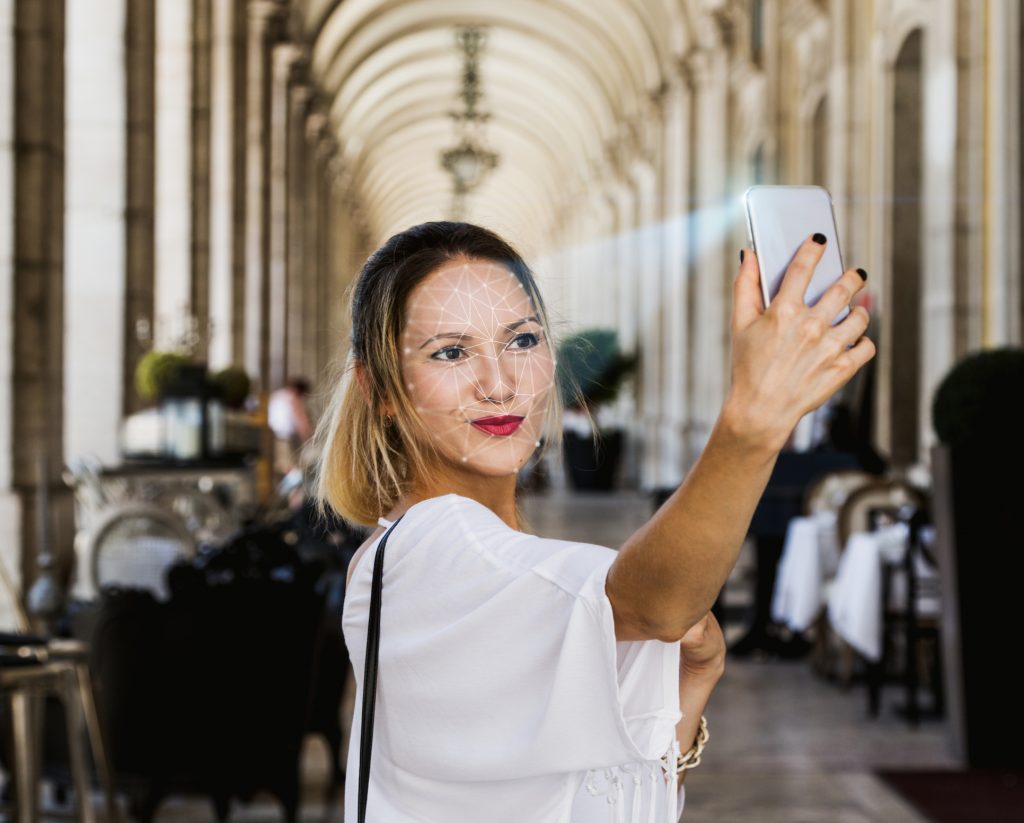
[{"x": 501, "y": 425}]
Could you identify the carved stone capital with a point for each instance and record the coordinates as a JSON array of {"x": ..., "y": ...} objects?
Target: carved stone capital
[
  {"x": 286, "y": 57},
  {"x": 694, "y": 68},
  {"x": 316, "y": 123},
  {"x": 261, "y": 12},
  {"x": 301, "y": 95}
]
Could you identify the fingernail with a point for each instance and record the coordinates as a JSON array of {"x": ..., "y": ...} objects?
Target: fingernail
[
  {"x": 741, "y": 255},
  {"x": 863, "y": 274},
  {"x": 819, "y": 238}
]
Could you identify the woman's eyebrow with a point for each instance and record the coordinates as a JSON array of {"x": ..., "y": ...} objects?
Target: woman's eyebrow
[{"x": 459, "y": 335}]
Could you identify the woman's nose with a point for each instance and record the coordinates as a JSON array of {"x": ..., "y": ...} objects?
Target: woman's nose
[{"x": 495, "y": 376}]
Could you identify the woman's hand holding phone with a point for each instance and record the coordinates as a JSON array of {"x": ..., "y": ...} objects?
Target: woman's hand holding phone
[{"x": 788, "y": 359}]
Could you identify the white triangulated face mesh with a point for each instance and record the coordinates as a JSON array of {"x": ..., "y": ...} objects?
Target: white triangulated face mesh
[{"x": 477, "y": 364}]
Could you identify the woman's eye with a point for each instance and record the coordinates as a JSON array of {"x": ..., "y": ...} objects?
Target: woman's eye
[
  {"x": 526, "y": 340},
  {"x": 448, "y": 354}
]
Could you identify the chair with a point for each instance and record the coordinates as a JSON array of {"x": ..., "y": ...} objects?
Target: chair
[
  {"x": 855, "y": 513},
  {"x": 30, "y": 669},
  {"x": 831, "y": 490},
  {"x": 913, "y": 616},
  {"x": 837, "y": 658},
  {"x": 132, "y": 544},
  {"x": 824, "y": 497}
]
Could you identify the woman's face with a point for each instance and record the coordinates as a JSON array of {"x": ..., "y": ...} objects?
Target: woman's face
[{"x": 477, "y": 365}]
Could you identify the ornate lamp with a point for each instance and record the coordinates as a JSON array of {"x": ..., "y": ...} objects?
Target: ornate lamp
[{"x": 468, "y": 162}]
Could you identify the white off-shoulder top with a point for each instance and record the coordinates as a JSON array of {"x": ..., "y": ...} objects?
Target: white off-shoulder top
[{"x": 502, "y": 692}]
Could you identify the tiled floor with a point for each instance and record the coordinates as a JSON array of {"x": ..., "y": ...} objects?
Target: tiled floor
[{"x": 786, "y": 747}]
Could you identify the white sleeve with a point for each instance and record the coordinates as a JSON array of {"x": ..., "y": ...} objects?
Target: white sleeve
[{"x": 505, "y": 663}]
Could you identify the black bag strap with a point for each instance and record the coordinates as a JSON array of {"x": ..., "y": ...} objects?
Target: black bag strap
[{"x": 370, "y": 672}]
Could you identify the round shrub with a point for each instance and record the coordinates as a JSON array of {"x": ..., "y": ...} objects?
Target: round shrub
[
  {"x": 233, "y": 384},
  {"x": 980, "y": 401},
  {"x": 156, "y": 371}
]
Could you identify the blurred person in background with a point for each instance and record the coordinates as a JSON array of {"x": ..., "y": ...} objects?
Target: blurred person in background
[{"x": 288, "y": 418}]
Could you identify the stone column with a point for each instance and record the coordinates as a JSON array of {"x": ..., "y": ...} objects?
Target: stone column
[
  {"x": 140, "y": 190},
  {"x": 262, "y": 14},
  {"x": 604, "y": 257},
  {"x": 646, "y": 283},
  {"x": 10, "y": 503},
  {"x": 594, "y": 238},
  {"x": 841, "y": 121},
  {"x": 344, "y": 245},
  {"x": 676, "y": 245},
  {"x": 572, "y": 266},
  {"x": 35, "y": 271},
  {"x": 301, "y": 302},
  {"x": 222, "y": 185},
  {"x": 285, "y": 57},
  {"x": 202, "y": 57},
  {"x": 315, "y": 335},
  {"x": 711, "y": 335},
  {"x": 239, "y": 171},
  {"x": 625, "y": 264},
  {"x": 938, "y": 214},
  {"x": 94, "y": 237},
  {"x": 596, "y": 211},
  {"x": 173, "y": 261},
  {"x": 858, "y": 227},
  {"x": 323, "y": 223},
  {"x": 1002, "y": 147},
  {"x": 627, "y": 270}
]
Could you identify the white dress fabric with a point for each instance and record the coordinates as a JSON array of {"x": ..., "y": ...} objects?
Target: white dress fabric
[{"x": 502, "y": 692}]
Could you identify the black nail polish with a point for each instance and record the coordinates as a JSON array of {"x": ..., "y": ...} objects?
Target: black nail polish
[
  {"x": 863, "y": 274},
  {"x": 741, "y": 255},
  {"x": 819, "y": 238}
]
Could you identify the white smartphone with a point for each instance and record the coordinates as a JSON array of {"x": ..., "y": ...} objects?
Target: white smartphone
[{"x": 779, "y": 220}]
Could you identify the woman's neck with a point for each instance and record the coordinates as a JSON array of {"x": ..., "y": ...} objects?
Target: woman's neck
[{"x": 496, "y": 493}]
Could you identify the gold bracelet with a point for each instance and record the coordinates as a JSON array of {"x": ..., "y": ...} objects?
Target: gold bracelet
[{"x": 691, "y": 759}]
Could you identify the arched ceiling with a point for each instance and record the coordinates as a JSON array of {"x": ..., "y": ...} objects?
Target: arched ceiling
[{"x": 559, "y": 77}]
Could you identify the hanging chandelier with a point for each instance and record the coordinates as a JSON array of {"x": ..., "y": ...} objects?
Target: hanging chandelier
[{"x": 469, "y": 161}]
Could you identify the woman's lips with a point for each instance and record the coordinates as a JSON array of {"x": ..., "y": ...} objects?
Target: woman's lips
[{"x": 502, "y": 425}]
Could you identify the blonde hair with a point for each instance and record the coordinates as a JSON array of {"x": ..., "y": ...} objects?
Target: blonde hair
[{"x": 366, "y": 465}]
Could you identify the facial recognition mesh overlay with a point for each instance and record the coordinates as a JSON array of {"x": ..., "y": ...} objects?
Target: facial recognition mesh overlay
[{"x": 478, "y": 365}]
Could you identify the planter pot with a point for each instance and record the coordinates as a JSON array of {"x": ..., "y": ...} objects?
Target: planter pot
[
  {"x": 977, "y": 509},
  {"x": 591, "y": 470}
]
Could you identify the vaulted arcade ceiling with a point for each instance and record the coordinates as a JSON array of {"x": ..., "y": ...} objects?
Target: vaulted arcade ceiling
[{"x": 559, "y": 77}]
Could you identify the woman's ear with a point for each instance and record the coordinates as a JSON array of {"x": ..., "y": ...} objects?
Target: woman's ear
[{"x": 363, "y": 380}]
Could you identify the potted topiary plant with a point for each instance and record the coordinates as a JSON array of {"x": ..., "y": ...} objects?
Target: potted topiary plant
[
  {"x": 978, "y": 417},
  {"x": 233, "y": 384},
  {"x": 156, "y": 372},
  {"x": 592, "y": 370}
]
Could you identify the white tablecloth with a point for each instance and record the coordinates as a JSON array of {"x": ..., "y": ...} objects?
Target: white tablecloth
[
  {"x": 855, "y": 596},
  {"x": 812, "y": 574},
  {"x": 809, "y": 559}
]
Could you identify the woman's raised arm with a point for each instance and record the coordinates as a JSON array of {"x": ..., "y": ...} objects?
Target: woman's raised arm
[{"x": 786, "y": 361}]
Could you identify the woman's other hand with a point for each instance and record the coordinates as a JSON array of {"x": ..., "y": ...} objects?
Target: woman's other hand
[
  {"x": 789, "y": 359},
  {"x": 702, "y": 649},
  {"x": 701, "y": 665}
]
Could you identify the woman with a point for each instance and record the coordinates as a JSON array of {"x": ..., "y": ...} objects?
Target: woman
[{"x": 524, "y": 678}]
